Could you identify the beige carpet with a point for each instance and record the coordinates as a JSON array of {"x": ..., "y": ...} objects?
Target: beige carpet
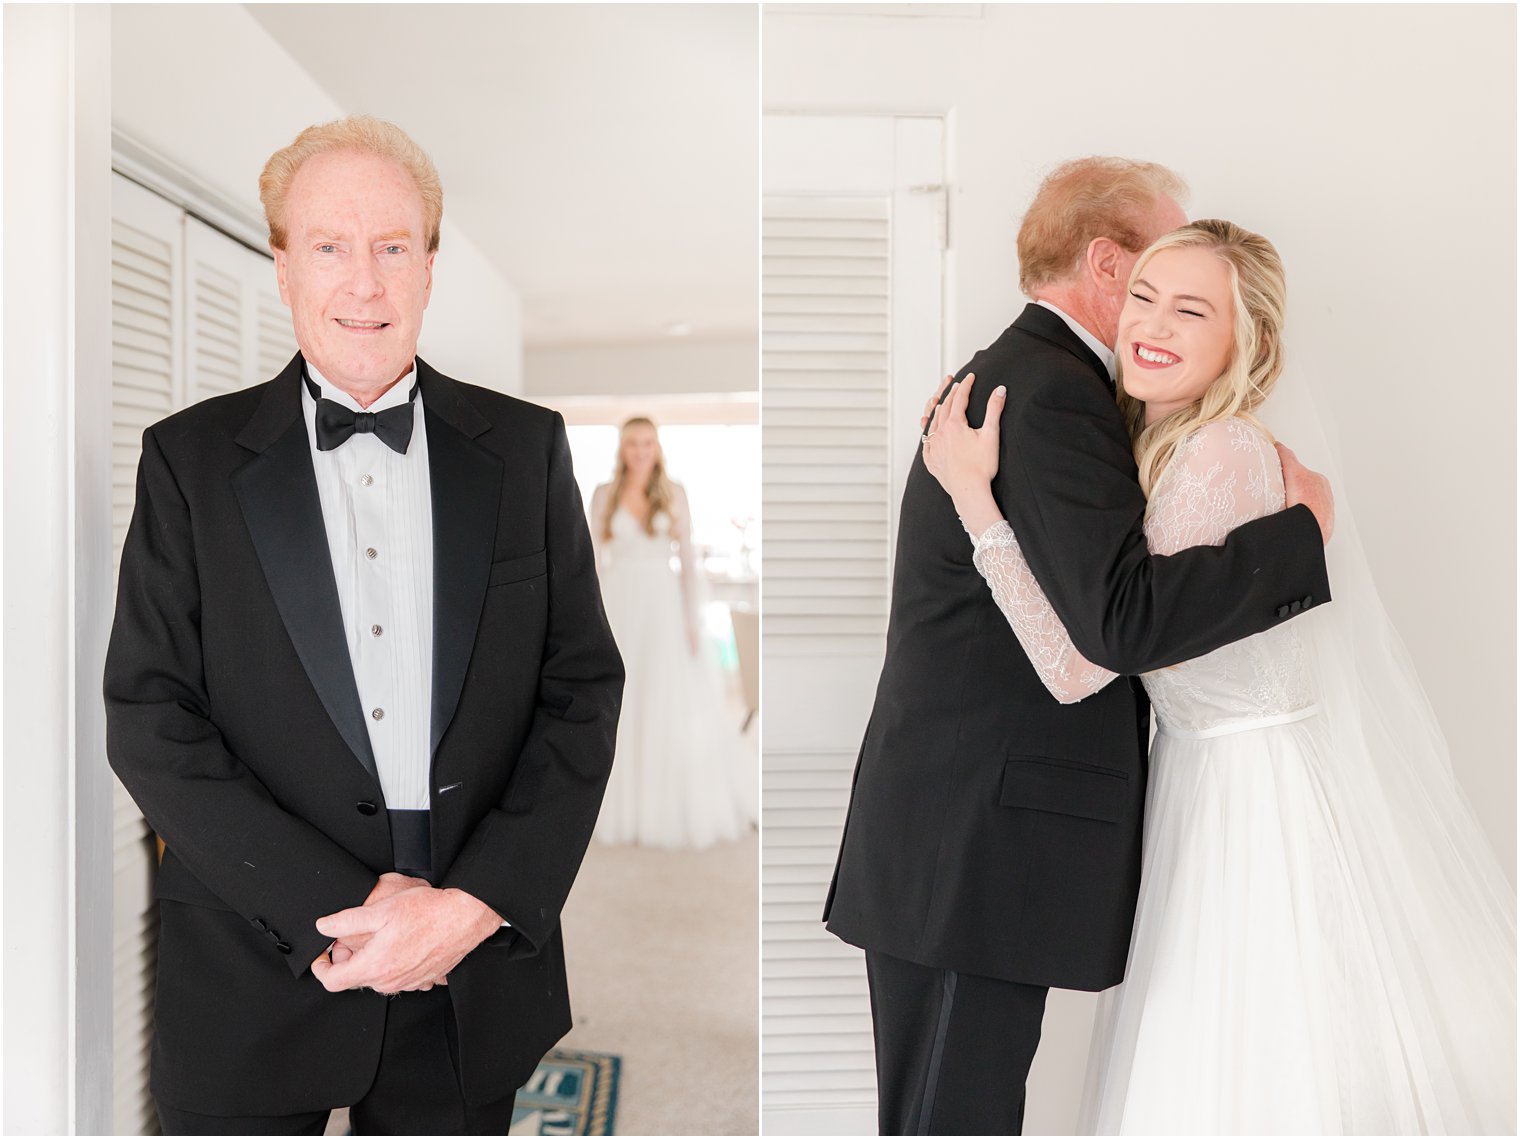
[
  {"x": 663, "y": 959},
  {"x": 663, "y": 956}
]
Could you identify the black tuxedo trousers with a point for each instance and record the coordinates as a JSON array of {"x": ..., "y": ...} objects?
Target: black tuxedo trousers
[
  {"x": 234, "y": 720},
  {"x": 993, "y": 831},
  {"x": 415, "y": 1090}
]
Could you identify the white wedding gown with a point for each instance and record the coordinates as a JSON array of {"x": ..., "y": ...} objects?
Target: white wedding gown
[
  {"x": 1278, "y": 981},
  {"x": 680, "y": 775}
]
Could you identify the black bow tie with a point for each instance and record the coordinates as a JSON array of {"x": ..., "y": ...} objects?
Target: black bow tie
[{"x": 335, "y": 423}]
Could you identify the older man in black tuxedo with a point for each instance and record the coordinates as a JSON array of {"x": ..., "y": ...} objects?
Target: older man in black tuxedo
[
  {"x": 361, "y": 684},
  {"x": 992, "y": 848}
]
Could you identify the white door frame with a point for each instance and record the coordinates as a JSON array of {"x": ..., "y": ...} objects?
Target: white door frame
[
  {"x": 57, "y": 402},
  {"x": 817, "y": 701}
]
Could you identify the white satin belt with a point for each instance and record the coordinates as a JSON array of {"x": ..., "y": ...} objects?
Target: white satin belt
[{"x": 1229, "y": 729}]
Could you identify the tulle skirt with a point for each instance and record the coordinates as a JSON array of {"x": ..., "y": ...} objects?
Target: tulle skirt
[
  {"x": 1279, "y": 980},
  {"x": 682, "y": 775}
]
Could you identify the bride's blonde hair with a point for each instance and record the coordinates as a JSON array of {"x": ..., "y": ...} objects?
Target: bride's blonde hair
[
  {"x": 1259, "y": 294},
  {"x": 660, "y": 493}
]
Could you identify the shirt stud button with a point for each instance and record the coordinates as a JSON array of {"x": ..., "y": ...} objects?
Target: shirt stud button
[
  {"x": 375, "y": 630},
  {"x": 372, "y": 553},
  {"x": 378, "y": 714},
  {"x": 366, "y": 480}
]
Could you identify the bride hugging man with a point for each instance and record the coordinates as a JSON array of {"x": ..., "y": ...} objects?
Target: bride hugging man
[{"x": 1311, "y": 933}]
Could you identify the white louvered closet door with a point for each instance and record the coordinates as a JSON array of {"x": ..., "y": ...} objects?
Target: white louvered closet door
[
  {"x": 147, "y": 286},
  {"x": 237, "y": 329},
  {"x": 194, "y": 314},
  {"x": 271, "y": 339},
  {"x": 852, "y": 263},
  {"x": 217, "y": 349},
  {"x": 826, "y": 379}
]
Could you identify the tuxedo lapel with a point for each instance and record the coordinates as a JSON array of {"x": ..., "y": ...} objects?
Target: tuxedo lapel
[
  {"x": 466, "y": 492},
  {"x": 277, "y": 491},
  {"x": 1037, "y": 320}
]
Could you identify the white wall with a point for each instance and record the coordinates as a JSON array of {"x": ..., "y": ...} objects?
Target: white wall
[
  {"x": 473, "y": 327},
  {"x": 206, "y": 87},
  {"x": 663, "y": 367},
  {"x": 1375, "y": 145}
]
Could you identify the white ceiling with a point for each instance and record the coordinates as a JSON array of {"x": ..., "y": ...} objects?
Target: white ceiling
[{"x": 604, "y": 157}]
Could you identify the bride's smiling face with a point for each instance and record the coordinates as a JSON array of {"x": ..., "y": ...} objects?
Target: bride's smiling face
[{"x": 1177, "y": 329}]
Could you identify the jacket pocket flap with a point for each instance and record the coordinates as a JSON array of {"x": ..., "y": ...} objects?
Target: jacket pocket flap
[
  {"x": 518, "y": 569},
  {"x": 1039, "y": 783},
  {"x": 175, "y": 883}
]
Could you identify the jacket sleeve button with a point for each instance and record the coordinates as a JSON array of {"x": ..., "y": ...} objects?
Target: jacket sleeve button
[
  {"x": 1282, "y": 610},
  {"x": 283, "y": 947}
]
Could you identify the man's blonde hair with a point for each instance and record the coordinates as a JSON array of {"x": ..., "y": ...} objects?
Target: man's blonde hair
[
  {"x": 1085, "y": 199},
  {"x": 360, "y": 134}
]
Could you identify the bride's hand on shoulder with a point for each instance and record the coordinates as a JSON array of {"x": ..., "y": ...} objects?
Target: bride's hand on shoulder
[
  {"x": 963, "y": 458},
  {"x": 933, "y": 404}
]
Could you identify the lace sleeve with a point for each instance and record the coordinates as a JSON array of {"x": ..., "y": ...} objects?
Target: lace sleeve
[
  {"x": 686, "y": 552},
  {"x": 1067, "y": 674},
  {"x": 1222, "y": 476},
  {"x": 600, "y": 506}
]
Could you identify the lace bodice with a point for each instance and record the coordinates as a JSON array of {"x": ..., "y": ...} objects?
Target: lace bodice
[
  {"x": 633, "y": 546},
  {"x": 1221, "y": 476}
]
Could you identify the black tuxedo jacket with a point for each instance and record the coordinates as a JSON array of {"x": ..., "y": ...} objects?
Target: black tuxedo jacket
[
  {"x": 992, "y": 830},
  {"x": 234, "y": 720}
]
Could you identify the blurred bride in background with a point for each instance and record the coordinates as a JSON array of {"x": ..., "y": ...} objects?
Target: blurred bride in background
[{"x": 680, "y": 777}]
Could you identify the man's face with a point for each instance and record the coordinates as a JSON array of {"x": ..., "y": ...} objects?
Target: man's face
[{"x": 355, "y": 269}]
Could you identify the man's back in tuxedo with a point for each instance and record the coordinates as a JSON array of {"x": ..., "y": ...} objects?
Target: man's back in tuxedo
[{"x": 964, "y": 738}]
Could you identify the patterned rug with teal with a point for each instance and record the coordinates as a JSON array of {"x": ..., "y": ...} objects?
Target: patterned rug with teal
[{"x": 571, "y": 1093}]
